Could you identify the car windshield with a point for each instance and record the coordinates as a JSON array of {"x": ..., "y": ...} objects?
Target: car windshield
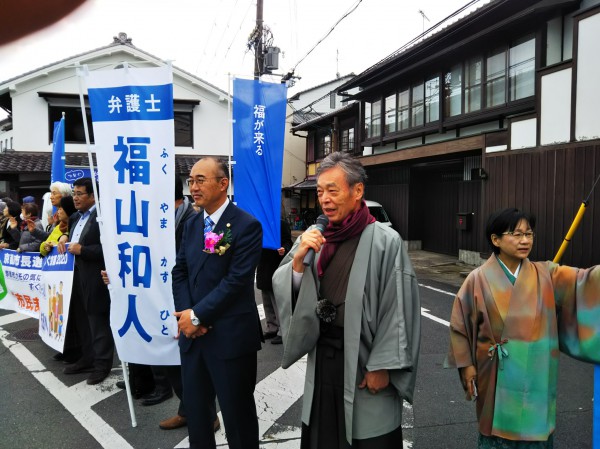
[{"x": 379, "y": 213}]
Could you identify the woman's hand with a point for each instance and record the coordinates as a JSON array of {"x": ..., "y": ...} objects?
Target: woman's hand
[{"x": 468, "y": 375}]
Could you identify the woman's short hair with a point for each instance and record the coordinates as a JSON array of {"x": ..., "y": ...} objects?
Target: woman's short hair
[
  {"x": 505, "y": 220},
  {"x": 30, "y": 209},
  {"x": 62, "y": 187}
]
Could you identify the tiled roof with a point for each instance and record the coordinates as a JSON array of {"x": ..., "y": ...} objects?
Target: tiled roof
[{"x": 21, "y": 162}]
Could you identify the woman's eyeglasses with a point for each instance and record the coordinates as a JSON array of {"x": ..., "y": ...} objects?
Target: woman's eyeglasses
[{"x": 529, "y": 235}]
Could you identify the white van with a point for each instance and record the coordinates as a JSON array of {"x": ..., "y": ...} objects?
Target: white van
[{"x": 378, "y": 212}]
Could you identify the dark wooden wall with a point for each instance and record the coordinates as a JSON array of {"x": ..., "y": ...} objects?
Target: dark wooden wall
[
  {"x": 389, "y": 186},
  {"x": 469, "y": 201},
  {"x": 551, "y": 183},
  {"x": 434, "y": 205},
  {"x": 394, "y": 199}
]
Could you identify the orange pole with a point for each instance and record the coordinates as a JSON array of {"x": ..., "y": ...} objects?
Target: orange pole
[{"x": 572, "y": 230}]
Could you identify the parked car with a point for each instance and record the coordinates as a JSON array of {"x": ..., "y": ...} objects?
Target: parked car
[{"x": 378, "y": 212}]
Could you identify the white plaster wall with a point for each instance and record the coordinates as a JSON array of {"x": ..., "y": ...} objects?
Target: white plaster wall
[
  {"x": 496, "y": 148},
  {"x": 587, "y": 125},
  {"x": 30, "y": 121},
  {"x": 30, "y": 112},
  {"x": 523, "y": 134},
  {"x": 212, "y": 124},
  {"x": 294, "y": 155},
  {"x": 555, "y": 126},
  {"x": 323, "y": 106}
]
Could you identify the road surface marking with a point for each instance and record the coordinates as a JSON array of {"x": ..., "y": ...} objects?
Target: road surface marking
[
  {"x": 78, "y": 399},
  {"x": 438, "y": 290}
]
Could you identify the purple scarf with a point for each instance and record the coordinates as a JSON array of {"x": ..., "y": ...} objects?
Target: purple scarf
[{"x": 352, "y": 226}]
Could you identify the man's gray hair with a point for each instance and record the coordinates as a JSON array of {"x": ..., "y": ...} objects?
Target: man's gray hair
[
  {"x": 62, "y": 187},
  {"x": 353, "y": 169}
]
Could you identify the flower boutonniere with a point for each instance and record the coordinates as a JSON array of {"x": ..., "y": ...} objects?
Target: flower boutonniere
[{"x": 217, "y": 242}]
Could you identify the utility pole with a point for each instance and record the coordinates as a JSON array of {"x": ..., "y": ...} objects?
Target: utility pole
[{"x": 259, "y": 57}]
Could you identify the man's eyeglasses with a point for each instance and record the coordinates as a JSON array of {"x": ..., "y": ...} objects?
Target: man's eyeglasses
[
  {"x": 191, "y": 181},
  {"x": 78, "y": 194},
  {"x": 529, "y": 235}
]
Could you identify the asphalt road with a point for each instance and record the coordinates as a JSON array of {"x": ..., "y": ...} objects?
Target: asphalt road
[{"x": 40, "y": 407}]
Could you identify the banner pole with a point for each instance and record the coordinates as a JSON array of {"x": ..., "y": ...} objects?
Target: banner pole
[
  {"x": 230, "y": 133},
  {"x": 125, "y": 367},
  {"x": 81, "y": 73}
]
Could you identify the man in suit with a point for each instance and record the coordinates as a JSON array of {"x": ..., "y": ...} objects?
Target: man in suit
[
  {"x": 220, "y": 333},
  {"x": 90, "y": 298}
]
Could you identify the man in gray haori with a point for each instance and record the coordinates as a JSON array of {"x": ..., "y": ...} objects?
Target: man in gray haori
[{"x": 356, "y": 312}]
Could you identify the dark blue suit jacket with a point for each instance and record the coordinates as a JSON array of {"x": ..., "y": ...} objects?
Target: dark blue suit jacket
[{"x": 220, "y": 289}]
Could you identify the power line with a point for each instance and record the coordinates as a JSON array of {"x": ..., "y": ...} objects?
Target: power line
[
  {"x": 226, "y": 28},
  {"x": 350, "y": 11},
  {"x": 224, "y": 58}
]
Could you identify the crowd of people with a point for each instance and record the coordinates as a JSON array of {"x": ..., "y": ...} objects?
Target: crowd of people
[{"x": 354, "y": 310}]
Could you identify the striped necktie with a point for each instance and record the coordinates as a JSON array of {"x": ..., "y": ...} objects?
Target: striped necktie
[{"x": 208, "y": 225}]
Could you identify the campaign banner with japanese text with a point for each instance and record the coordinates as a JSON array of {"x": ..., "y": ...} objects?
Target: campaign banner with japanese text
[
  {"x": 258, "y": 138},
  {"x": 132, "y": 116},
  {"x": 57, "y": 278},
  {"x": 21, "y": 284}
]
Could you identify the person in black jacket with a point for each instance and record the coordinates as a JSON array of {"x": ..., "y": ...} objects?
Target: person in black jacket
[
  {"x": 90, "y": 299},
  {"x": 269, "y": 261},
  {"x": 12, "y": 220}
]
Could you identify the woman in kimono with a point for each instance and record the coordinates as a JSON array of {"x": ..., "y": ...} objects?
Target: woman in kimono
[{"x": 509, "y": 320}]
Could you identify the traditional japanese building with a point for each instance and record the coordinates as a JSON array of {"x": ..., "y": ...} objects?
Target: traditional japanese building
[
  {"x": 495, "y": 107},
  {"x": 36, "y": 99}
]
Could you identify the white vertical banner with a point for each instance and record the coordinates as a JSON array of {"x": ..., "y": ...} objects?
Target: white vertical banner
[
  {"x": 132, "y": 115},
  {"x": 55, "y": 303}
]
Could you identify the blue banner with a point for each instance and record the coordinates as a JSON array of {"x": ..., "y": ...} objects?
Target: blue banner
[
  {"x": 72, "y": 174},
  {"x": 124, "y": 103},
  {"x": 58, "y": 152},
  {"x": 258, "y": 137},
  {"x": 596, "y": 425}
]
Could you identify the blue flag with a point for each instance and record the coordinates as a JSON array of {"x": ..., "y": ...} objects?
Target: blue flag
[
  {"x": 596, "y": 425},
  {"x": 58, "y": 152},
  {"x": 258, "y": 136}
]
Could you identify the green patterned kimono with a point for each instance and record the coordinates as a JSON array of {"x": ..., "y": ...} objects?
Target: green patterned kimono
[{"x": 512, "y": 334}]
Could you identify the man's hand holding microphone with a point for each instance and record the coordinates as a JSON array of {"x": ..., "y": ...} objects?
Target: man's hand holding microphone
[{"x": 311, "y": 243}]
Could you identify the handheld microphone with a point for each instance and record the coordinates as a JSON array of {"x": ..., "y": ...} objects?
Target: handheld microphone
[{"x": 321, "y": 224}]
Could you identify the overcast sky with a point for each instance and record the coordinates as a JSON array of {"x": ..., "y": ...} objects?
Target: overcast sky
[{"x": 208, "y": 38}]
